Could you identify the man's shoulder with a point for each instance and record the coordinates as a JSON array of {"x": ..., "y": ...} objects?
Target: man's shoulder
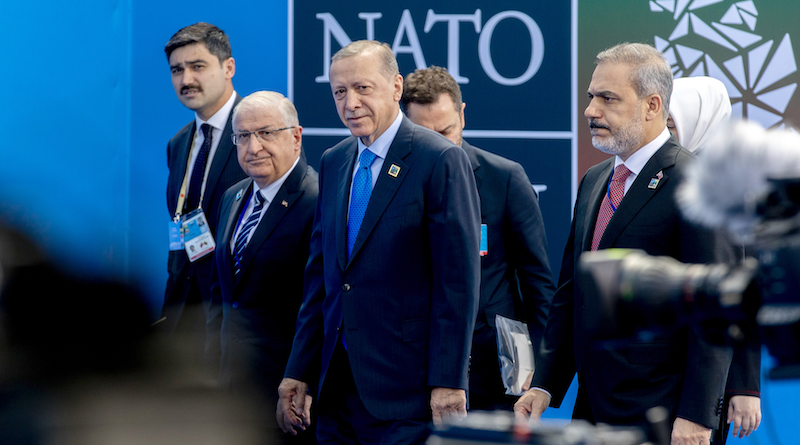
[
  {"x": 490, "y": 160},
  {"x": 183, "y": 133}
]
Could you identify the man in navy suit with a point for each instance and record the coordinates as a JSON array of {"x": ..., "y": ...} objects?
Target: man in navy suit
[
  {"x": 515, "y": 275},
  {"x": 262, "y": 248},
  {"x": 202, "y": 165},
  {"x": 391, "y": 286},
  {"x": 628, "y": 201}
]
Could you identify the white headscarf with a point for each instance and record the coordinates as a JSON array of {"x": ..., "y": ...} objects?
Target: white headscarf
[{"x": 698, "y": 105}]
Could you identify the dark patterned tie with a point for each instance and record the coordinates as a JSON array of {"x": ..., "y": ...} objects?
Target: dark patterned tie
[
  {"x": 362, "y": 189},
  {"x": 614, "y": 194},
  {"x": 249, "y": 225},
  {"x": 199, "y": 170}
]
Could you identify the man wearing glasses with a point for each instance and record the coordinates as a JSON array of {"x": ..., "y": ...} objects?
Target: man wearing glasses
[{"x": 262, "y": 247}]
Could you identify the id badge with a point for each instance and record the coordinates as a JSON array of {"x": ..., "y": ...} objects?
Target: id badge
[
  {"x": 197, "y": 238},
  {"x": 484, "y": 240},
  {"x": 175, "y": 236}
]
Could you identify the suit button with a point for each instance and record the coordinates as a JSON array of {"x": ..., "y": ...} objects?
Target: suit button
[
  {"x": 235, "y": 305},
  {"x": 346, "y": 287}
]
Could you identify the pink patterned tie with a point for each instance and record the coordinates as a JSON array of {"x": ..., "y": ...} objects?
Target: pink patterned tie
[{"x": 614, "y": 194}]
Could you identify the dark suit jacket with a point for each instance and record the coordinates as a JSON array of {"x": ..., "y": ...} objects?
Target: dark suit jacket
[
  {"x": 259, "y": 305},
  {"x": 619, "y": 382},
  {"x": 744, "y": 379},
  {"x": 224, "y": 172},
  {"x": 515, "y": 274},
  {"x": 408, "y": 295}
]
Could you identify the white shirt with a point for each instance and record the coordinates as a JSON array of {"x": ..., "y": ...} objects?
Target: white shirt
[
  {"x": 217, "y": 122},
  {"x": 268, "y": 193}
]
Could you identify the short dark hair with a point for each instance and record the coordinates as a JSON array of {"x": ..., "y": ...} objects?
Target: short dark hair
[
  {"x": 215, "y": 39},
  {"x": 425, "y": 86}
]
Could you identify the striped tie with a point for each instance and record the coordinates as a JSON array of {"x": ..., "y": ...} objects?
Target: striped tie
[
  {"x": 614, "y": 194},
  {"x": 249, "y": 225}
]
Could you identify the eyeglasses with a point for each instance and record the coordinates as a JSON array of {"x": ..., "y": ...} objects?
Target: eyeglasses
[{"x": 265, "y": 135}]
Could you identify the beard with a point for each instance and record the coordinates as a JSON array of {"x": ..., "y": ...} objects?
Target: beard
[{"x": 626, "y": 139}]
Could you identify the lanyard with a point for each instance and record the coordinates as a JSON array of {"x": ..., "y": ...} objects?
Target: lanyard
[{"x": 184, "y": 185}]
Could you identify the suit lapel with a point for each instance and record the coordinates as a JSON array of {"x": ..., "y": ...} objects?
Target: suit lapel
[
  {"x": 639, "y": 194},
  {"x": 240, "y": 200},
  {"x": 286, "y": 197},
  {"x": 343, "y": 197},
  {"x": 387, "y": 185},
  {"x": 476, "y": 164},
  {"x": 183, "y": 146},
  {"x": 224, "y": 154}
]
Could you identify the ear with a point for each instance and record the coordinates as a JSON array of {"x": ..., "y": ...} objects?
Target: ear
[
  {"x": 297, "y": 138},
  {"x": 229, "y": 68},
  {"x": 397, "y": 87},
  {"x": 653, "y": 107},
  {"x": 461, "y": 115}
]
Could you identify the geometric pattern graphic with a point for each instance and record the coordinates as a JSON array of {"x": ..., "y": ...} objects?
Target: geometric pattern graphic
[{"x": 755, "y": 68}]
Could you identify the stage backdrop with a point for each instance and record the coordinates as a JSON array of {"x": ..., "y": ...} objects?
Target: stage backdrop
[{"x": 512, "y": 59}]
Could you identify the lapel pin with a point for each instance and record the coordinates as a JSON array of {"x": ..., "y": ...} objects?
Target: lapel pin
[
  {"x": 284, "y": 203},
  {"x": 394, "y": 170},
  {"x": 654, "y": 181},
  {"x": 239, "y": 195}
]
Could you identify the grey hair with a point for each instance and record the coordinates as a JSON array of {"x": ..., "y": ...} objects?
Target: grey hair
[
  {"x": 262, "y": 100},
  {"x": 388, "y": 66},
  {"x": 651, "y": 73}
]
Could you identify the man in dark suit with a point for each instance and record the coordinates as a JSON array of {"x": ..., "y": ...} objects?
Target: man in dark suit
[
  {"x": 262, "y": 247},
  {"x": 392, "y": 280},
  {"x": 515, "y": 275},
  {"x": 202, "y": 165},
  {"x": 618, "y": 382}
]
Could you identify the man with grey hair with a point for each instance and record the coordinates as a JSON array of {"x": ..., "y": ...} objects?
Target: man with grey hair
[
  {"x": 384, "y": 333},
  {"x": 262, "y": 248},
  {"x": 628, "y": 202}
]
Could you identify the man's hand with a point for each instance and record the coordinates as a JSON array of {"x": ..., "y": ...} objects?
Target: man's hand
[
  {"x": 745, "y": 413},
  {"x": 447, "y": 402},
  {"x": 530, "y": 406},
  {"x": 686, "y": 432},
  {"x": 294, "y": 406}
]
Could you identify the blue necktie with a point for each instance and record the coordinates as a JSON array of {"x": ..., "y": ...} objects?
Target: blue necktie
[
  {"x": 249, "y": 225},
  {"x": 362, "y": 189},
  {"x": 199, "y": 170}
]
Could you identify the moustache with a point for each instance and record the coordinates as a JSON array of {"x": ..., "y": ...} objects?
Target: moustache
[
  {"x": 191, "y": 87},
  {"x": 594, "y": 124}
]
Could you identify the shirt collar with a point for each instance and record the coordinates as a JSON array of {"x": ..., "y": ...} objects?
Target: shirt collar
[
  {"x": 381, "y": 145},
  {"x": 220, "y": 118},
  {"x": 637, "y": 160}
]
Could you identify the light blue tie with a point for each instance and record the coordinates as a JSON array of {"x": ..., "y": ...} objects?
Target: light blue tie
[
  {"x": 362, "y": 189},
  {"x": 249, "y": 225}
]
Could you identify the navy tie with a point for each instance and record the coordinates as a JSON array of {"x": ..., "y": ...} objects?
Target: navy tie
[
  {"x": 199, "y": 170},
  {"x": 249, "y": 225},
  {"x": 362, "y": 189}
]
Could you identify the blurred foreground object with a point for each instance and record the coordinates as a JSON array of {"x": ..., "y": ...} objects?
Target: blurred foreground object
[{"x": 79, "y": 365}]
